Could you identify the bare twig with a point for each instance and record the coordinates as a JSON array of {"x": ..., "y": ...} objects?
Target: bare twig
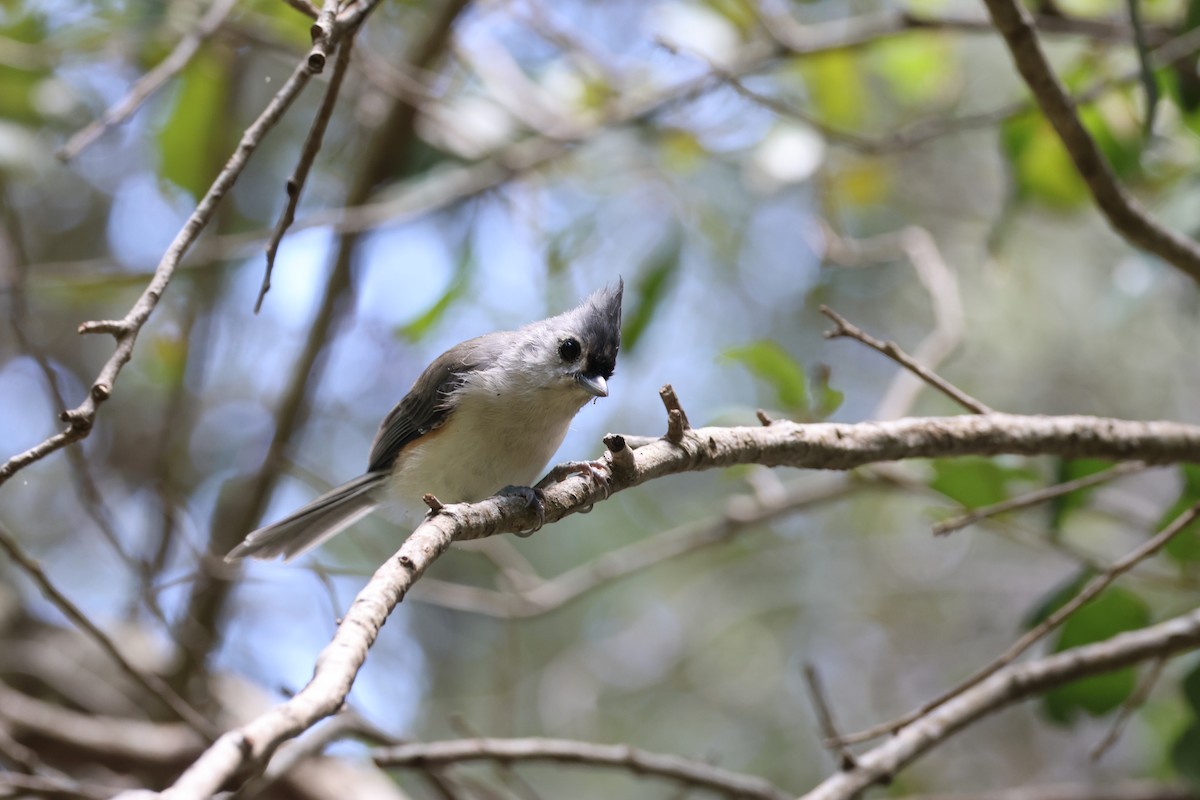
[
  {"x": 693, "y": 773},
  {"x": 822, "y": 445},
  {"x": 152, "y": 81},
  {"x": 829, "y": 730},
  {"x": 308, "y": 154},
  {"x": 198, "y": 627},
  {"x": 1009, "y": 685},
  {"x": 1137, "y": 698},
  {"x": 893, "y": 351},
  {"x": 19, "y": 318},
  {"x": 51, "y": 786},
  {"x": 102, "y": 737},
  {"x": 1124, "y": 213},
  {"x": 304, "y": 7},
  {"x": 322, "y": 35},
  {"x": 153, "y": 684},
  {"x": 1108, "y": 790},
  {"x": 1094, "y": 587},
  {"x": 1036, "y": 497},
  {"x": 741, "y": 514},
  {"x": 81, "y": 418}
]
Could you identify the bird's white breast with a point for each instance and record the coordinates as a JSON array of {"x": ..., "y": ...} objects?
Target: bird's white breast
[{"x": 489, "y": 441}]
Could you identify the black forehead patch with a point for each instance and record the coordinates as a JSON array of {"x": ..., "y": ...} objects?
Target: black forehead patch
[{"x": 600, "y": 329}]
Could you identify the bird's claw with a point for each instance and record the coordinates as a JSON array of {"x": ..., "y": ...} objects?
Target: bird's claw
[
  {"x": 533, "y": 499},
  {"x": 597, "y": 471}
]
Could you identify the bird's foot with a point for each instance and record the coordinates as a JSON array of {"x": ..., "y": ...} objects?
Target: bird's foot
[
  {"x": 597, "y": 471},
  {"x": 533, "y": 499}
]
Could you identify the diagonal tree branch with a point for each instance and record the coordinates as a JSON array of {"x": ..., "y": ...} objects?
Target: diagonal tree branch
[
  {"x": 818, "y": 446},
  {"x": 154, "y": 685},
  {"x": 1124, "y": 213},
  {"x": 152, "y": 81},
  {"x": 308, "y": 154},
  {"x": 125, "y": 330},
  {"x": 198, "y": 626},
  {"x": 1013, "y": 683},
  {"x": 1088, "y": 593},
  {"x": 688, "y": 772}
]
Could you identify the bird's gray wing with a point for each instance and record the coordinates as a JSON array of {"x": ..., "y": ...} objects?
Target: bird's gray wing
[{"x": 426, "y": 406}]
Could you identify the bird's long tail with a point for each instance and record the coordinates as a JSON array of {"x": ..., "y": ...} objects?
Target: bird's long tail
[{"x": 324, "y": 517}]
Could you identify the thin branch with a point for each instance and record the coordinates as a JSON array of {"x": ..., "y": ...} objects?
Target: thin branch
[
  {"x": 1108, "y": 790},
  {"x": 565, "y": 751},
  {"x": 919, "y": 248},
  {"x": 81, "y": 418},
  {"x": 304, "y": 7},
  {"x": 322, "y": 35},
  {"x": 102, "y": 737},
  {"x": 829, "y": 730},
  {"x": 1009, "y": 685},
  {"x": 823, "y": 445},
  {"x": 51, "y": 786},
  {"x": 1137, "y": 698},
  {"x": 1037, "y": 497},
  {"x": 198, "y": 628},
  {"x": 1124, "y": 213},
  {"x": 154, "y": 685},
  {"x": 152, "y": 81},
  {"x": 19, "y": 318},
  {"x": 893, "y": 351},
  {"x": 1094, "y": 587},
  {"x": 308, "y": 154},
  {"x": 741, "y": 514}
]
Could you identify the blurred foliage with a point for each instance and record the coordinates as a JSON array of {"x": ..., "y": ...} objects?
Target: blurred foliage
[
  {"x": 795, "y": 394},
  {"x": 1185, "y": 752},
  {"x": 711, "y": 208},
  {"x": 1067, "y": 470},
  {"x": 196, "y": 124},
  {"x": 1184, "y": 546},
  {"x": 973, "y": 482},
  {"x": 1113, "y": 611}
]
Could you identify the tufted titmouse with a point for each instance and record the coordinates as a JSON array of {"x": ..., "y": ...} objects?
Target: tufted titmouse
[{"x": 486, "y": 414}]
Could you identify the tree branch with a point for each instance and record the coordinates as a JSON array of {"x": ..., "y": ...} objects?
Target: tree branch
[
  {"x": 125, "y": 331},
  {"x": 1124, "y": 213},
  {"x": 1009, "y": 685},
  {"x": 817, "y": 446},
  {"x": 151, "y": 82},
  {"x": 154, "y": 685},
  {"x": 566, "y": 751}
]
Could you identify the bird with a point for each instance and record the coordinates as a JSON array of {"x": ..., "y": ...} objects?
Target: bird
[{"x": 484, "y": 417}]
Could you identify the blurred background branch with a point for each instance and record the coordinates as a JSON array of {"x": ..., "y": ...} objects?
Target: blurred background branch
[{"x": 486, "y": 164}]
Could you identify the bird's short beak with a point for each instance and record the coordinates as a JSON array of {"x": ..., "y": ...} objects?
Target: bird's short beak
[{"x": 593, "y": 384}]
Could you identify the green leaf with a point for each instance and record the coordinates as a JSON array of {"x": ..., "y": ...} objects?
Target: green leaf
[
  {"x": 825, "y": 399},
  {"x": 1191, "y": 688},
  {"x": 1184, "y": 547},
  {"x": 974, "y": 481},
  {"x": 836, "y": 87},
  {"x": 1114, "y": 611},
  {"x": 1145, "y": 71},
  {"x": 656, "y": 274},
  {"x": 1057, "y": 597},
  {"x": 196, "y": 124},
  {"x": 1041, "y": 168},
  {"x": 769, "y": 362},
  {"x": 1070, "y": 470},
  {"x": 920, "y": 68},
  {"x": 1185, "y": 753},
  {"x": 418, "y": 327}
]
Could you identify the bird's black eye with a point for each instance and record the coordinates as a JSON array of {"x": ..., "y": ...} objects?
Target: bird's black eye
[{"x": 569, "y": 349}]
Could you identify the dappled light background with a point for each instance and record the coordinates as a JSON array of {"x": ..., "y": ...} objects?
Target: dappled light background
[{"x": 732, "y": 212}]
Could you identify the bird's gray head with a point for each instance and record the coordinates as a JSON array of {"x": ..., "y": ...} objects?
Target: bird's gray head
[
  {"x": 581, "y": 344},
  {"x": 573, "y": 354}
]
